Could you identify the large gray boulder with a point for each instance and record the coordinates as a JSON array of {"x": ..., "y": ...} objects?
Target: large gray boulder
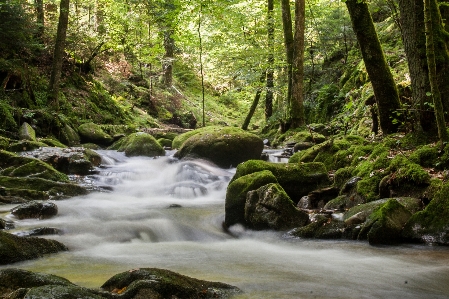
[{"x": 269, "y": 207}]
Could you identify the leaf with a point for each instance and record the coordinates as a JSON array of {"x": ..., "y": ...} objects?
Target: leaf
[{"x": 428, "y": 93}]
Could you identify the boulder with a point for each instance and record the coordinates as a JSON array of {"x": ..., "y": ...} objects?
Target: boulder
[
  {"x": 226, "y": 147},
  {"x": 16, "y": 249},
  {"x": 317, "y": 199},
  {"x": 74, "y": 160},
  {"x": 269, "y": 207},
  {"x": 139, "y": 144},
  {"x": 35, "y": 209},
  {"x": 431, "y": 225},
  {"x": 69, "y": 136},
  {"x": 384, "y": 225},
  {"x": 179, "y": 140},
  {"x": 58, "y": 292},
  {"x": 6, "y": 224},
  {"x": 159, "y": 283},
  {"x": 237, "y": 191},
  {"x": 164, "y": 142},
  {"x": 26, "y": 132},
  {"x": 25, "y": 145},
  {"x": 296, "y": 179},
  {"x": 91, "y": 132}
]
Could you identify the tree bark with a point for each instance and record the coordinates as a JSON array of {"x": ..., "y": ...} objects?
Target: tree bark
[
  {"x": 58, "y": 56},
  {"x": 384, "y": 87},
  {"x": 40, "y": 17},
  {"x": 414, "y": 40},
  {"x": 169, "y": 45},
  {"x": 270, "y": 61},
  {"x": 289, "y": 45},
  {"x": 431, "y": 61},
  {"x": 253, "y": 107},
  {"x": 297, "y": 103}
]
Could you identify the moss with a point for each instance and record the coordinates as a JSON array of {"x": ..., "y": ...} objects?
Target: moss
[
  {"x": 226, "y": 146},
  {"x": 179, "y": 140},
  {"x": 38, "y": 184},
  {"x": 23, "y": 146},
  {"x": 406, "y": 171},
  {"x": 305, "y": 136},
  {"x": 91, "y": 132},
  {"x": 52, "y": 142},
  {"x": 4, "y": 143},
  {"x": 236, "y": 194},
  {"x": 37, "y": 169},
  {"x": 296, "y": 179},
  {"x": 342, "y": 175},
  {"x": 139, "y": 144},
  {"x": 164, "y": 142}
]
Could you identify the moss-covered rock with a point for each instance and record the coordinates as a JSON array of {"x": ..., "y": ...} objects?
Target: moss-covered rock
[
  {"x": 13, "y": 279},
  {"x": 309, "y": 230},
  {"x": 164, "y": 142},
  {"x": 4, "y": 143},
  {"x": 16, "y": 249},
  {"x": 69, "y": 136},
  {"x": 59, "y": 292},
  {"x": 26, "y": 132},
  {"x": 179, "y": 140},
  {"x": 159, "y": 283},
  {"x": 139, "y": 144},
  {"x": 52, "y": 142},
  {"x": 237, "y": 191},
  {"x": 91, "y": 132},
  {"x": 432, "y": 224},
  {"x": 384, "y": 225},
  {"x": 296, "y": 179},
  {"x": 269, "y": 207},
  {"x": 225, "y": 146},
  {"x": 25, "y": 145}
]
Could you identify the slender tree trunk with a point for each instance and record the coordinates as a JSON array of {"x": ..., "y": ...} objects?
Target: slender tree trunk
[
  {"x": 270, "y": 71},
  {"x": 58, "y": 56},
  {"x": 414, "y": 40},
  {"x": 289, "y": 45},
  {"x": 297, "y": 103},
  {"x": 253, "y": 107},
  {"x": 438, "y": 105},
  {"x": 384, "y": 87},
  {"x": 40, "y": 17},
  {"x": 169, "y": 45},
  {"x": 200, "y": 17}
]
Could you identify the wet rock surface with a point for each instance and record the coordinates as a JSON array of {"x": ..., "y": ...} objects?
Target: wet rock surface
[{"x": 35, "y": 209}]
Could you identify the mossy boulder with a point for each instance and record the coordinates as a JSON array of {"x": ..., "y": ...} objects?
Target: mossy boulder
[
  {"x": 164, "y": 142},
  {"x": 52, "y": 142},
  {"x": 35, "y": 209},
  {"x": 16, "y": 249},
  {"x": 25, "y": 145},
  {"x": 225, "y": 146},
  {"x": 58, "y": 292},
  {"x": 237, "y": 191},
  {"x": 4, "y": 143},
  {"x": 26, "y": 132},
  {"x": 179, "y": 140},
  {"x": 269, "y": 207},
  {"x": 384, "y": 225},
  {"x": 139, "y": 144},
  {"x": 296, "y": 179},
  {"x": 160, "y": 283},
  {"x": 432, "y": 224},
  {"x": 12, "y": 279},
  {"x": 69, "y": 136},
  {"x": 91, "y": 132}
]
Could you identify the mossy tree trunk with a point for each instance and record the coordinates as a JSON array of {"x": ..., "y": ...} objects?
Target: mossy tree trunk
[
  {"x": 289, "y": 45},
  {"x": 440, "y": 42},
  {"x": 384, "y": 87},
  {"x": 270, "y": 71},
  {"x": 253, "y": 107},
  {"x": 58, "y": 56},
  {"x": 414, "y": 40},
  {"x": 297, "y": 103},
  {"x": 431, "y": 61}
]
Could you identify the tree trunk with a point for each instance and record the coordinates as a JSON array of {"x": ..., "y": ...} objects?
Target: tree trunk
[
  {"x": 253, "y": 107},
  {"x": 297, "y": 103},
  {"x": 414, "y": 40},
  {"x": 384, "y": 87},
  {"x": 169, "y": 44},
  {"x": 440, "y": 42},
  {"x": 40, "y": 17},
  {"x": 58, "y": 56},
  {"x": 289, "y": 45},
  {"x": 431, "y": 61},
  {"x": 270, "y": 71}
]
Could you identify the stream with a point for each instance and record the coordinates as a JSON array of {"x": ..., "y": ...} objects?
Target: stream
[{"x": 168, "y": 214}]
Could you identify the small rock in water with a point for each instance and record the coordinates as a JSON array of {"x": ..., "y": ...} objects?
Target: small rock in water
[{"x": 175, "y": 205}]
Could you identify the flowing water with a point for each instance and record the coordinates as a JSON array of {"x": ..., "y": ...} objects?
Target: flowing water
[{"x": 167, "y": 214}]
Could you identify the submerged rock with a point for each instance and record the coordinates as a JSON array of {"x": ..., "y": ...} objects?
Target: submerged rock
[
  {"x": 225, "y": 147},
  {"x": 159, "y": 283},
  {"x": 269, "y": 207},
  {"x": 237, "y": 191},
  {"x": 139, "y": 144},
  {"x": 16, "y": 249}
]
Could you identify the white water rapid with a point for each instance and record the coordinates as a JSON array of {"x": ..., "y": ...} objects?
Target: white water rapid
[{"x": 167, "y": 214}]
